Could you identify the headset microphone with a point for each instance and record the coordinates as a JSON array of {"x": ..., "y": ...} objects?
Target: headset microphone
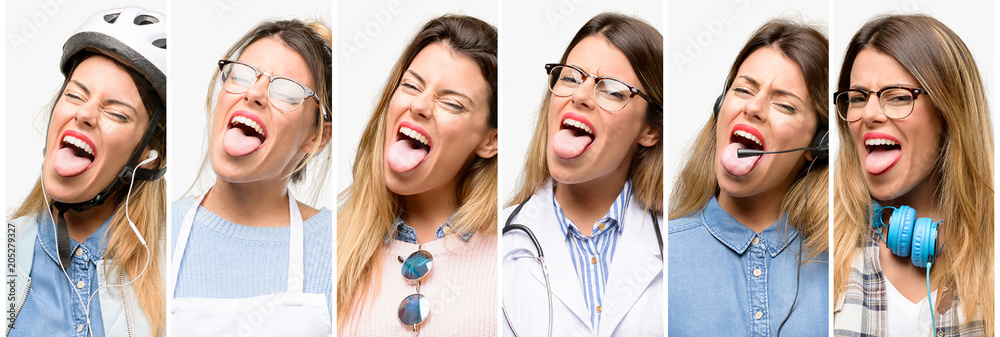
[{"x": 820, "y": 149}]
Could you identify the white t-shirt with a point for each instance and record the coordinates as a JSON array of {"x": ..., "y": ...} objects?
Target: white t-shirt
[{"x": 905, "y": 318}]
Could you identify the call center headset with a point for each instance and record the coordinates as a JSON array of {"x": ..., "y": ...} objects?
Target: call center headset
[
  {"x": 508, "y": 227},
  {"x": 909, "y": 236},
  {"x": 819, "y": 146}
]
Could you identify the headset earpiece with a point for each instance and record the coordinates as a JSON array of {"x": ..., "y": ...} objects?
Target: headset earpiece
[
  {"x": 820, "y": 144},
  {"x": 718, "y": 106}
]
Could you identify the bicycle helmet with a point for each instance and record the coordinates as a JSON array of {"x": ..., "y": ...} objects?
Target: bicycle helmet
[{"x": 136, "y": 38}]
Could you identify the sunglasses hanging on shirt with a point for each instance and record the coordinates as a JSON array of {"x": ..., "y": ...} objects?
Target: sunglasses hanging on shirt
[{"x": 415, "y": 308}]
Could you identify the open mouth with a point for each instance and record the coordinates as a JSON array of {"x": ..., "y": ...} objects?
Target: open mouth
[
  {"x": 575, "y": 136},
  {"x": 742, "y": 137},
  {"x": 882, "y": 152},
  {"x": 244, "y": 135},
  {"x": 411, "y": 147},
  {"x": 75, "y": 154}
]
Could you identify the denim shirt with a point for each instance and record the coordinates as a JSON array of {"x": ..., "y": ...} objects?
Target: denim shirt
[
  {"x": 52, "y": 307},
  {"x": 727, "y": 280}
]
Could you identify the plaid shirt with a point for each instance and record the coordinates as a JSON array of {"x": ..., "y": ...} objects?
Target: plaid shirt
[{"x": 861, "y": 311}]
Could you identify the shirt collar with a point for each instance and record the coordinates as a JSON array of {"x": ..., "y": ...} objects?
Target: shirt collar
[
  {"x": 93, "y": 245},
  {"x": 738, "y": 237},
  {"x": 405, "y": 233},
  {"x": 614, "y": 218}
]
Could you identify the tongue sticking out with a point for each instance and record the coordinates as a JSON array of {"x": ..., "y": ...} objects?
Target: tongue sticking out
[
  {"x": 734, "y": 164},
  {"x": 237, "y": 143},
  {"x": 67, "y": 163},
  {"x": 879, "y": 161},
  {"x": 567, "y": 145},
  {"x": 404, "y": 155}
]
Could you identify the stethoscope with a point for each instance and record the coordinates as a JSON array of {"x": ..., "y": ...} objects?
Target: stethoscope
[{"x": 508, "y": 226}]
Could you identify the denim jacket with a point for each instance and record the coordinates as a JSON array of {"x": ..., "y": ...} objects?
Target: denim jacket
[{"x": 121, "y": 314}]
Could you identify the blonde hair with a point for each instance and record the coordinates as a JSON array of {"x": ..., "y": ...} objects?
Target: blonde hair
[
  {"x": 643, "y": 47},
  {"x": 943, "y": 65},
  {"x": 697, "y": 183},
  {"x": 369, "y": 208},
  {"x": 311, "y": 41}
]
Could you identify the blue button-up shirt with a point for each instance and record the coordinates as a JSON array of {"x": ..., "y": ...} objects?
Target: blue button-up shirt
[
  {"x": 592, "y": 255},
  {"x": 727, "y": 280},
  {"x": 52, "y": 307}
]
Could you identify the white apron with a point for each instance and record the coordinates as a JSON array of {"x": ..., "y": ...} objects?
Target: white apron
[{"x": 291, "y": 313}]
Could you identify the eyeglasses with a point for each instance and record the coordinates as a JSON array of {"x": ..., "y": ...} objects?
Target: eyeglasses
[
  {"x": 611, "y": 93},
  {"x": 284, "y": 93},
  {"x": 415, "y": 308},
  {"x": 895, "y": 102}
]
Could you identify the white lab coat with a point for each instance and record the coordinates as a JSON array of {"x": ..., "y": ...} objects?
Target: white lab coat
[{"x": 633, "y": 302}]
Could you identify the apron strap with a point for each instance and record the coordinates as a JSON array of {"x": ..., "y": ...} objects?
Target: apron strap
[
  {"x": 182, "y": 239},
  {"x": 296, "y": 271}
]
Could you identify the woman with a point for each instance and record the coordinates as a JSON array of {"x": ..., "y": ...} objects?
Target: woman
[
  {"x": 247, "y": 256},
  {"x": 923, "y": 140},
  {"x": 748, "y": 242},
  {"x": 90, "y": 233},
  {"x": 591, "y": 192},
  {"x": 425, "y": 188}
]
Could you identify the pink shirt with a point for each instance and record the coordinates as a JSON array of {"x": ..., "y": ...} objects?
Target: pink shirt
[{"x": 461, "y": 288}]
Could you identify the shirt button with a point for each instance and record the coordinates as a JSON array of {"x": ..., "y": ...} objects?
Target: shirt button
[
  {"x": 600, "y": 226},
  {"x": 79, "y": 328},
  {"x": 593, "y": 260},
  {"x": 79, "y": 285},
  {"x": 598, "y": 309},
  {"x": 79, "y": 251},
  {"x": 756, "y": 272},
  {"x": 758, "y": 315},
  {"x": 755, "y": 240}
]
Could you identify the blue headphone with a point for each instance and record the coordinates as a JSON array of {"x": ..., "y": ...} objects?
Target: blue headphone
[{"x": 907, "y": 234}]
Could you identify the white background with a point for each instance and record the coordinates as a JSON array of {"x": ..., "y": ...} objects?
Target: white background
[
  {"x": 528, "y": 40},
  {"x": 35, "y": 33},
  {"x": 201, "y": 33},
  {"x": 371, "y": 38},
  {"x": 703, "y": 42}
]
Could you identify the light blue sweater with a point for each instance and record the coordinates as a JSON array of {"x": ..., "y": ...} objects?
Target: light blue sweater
[{"x": 227, "y": 260}]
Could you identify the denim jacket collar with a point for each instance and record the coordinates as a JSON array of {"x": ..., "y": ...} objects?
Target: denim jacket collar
[
  {"x": 738, "y": 237},
  {"x": 94, "y": 246}
]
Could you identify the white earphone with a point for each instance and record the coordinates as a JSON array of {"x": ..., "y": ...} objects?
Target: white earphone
[{"x": 152, "y": 156}]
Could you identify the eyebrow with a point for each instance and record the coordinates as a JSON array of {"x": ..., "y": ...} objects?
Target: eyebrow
[
  {"x": 445, "y": 91},
  {"x": 83, "y": 87},
  {"x": 109, "y": 100},
  {"x": 861, "y": 87},
  {"x": 456, "y": 93},
  {"x": 419, "y": 78},
  {"x": 781, "y": 92}
]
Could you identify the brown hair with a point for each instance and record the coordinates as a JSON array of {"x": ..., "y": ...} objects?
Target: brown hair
[
  {"x": 643, "y": 47},
  {"x": 369, "y": 208},
  {"x": 944, "y": 66},
  {"x": 697, "y": 183}
]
